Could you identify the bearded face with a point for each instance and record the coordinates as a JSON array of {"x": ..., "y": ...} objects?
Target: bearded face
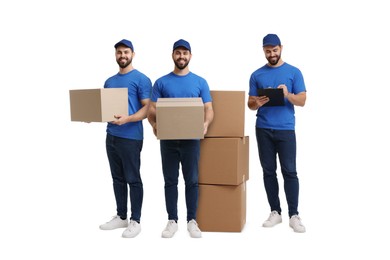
[
  {"x": 123, "y": 62},
  {"x": 273, "y": 59},
  {"x": 181, "y": 63},
  {"x": 124, "y": 56},
  {"x": 272, "y": 54},
  {"x": 181, "y": 58}
]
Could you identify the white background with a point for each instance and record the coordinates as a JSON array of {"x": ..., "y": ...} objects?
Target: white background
[{"x": 55, "y": 185}]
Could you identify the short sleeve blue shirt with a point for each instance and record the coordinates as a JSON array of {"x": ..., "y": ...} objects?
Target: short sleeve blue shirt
[
  {"x": 175, "y": 86},
  {"x": 139, "y": 88},
  {"x": 277, "y": 117}
]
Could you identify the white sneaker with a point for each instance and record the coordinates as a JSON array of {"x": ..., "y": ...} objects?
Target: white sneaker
[
  {"x": 193, "y": 229},
  {"x": 273, "y": 219},
  {"x": 296, "y": 224},
  {"x": 114, "y": 223},
  {"x": 170, "y": 229},
  {"x": 132, "y": 230}
]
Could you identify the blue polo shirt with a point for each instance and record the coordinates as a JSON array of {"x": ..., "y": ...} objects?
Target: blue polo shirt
[
  {"x": 139, "y": 87},
  {"x": 277, "y": 117}
]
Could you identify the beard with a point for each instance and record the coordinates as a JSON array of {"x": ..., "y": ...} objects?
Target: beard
[
  {"x": 181, "y": 66},
  {"x": 123, "y": 63},
  {"x": 273, "y": 60}
]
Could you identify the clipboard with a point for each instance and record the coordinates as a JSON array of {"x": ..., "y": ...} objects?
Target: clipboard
[{"x": 275, "y": 95}]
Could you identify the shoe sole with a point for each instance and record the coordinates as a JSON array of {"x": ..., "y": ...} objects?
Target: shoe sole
[
  {"x": 131, "y": 236},
  {"x": 298, "y": 231},
  {"x": 269, "y": 226},
  {"x": 165, "y": 236},
  {"x": 112, "y": 228},
  {"x": 195, "y": 236}
]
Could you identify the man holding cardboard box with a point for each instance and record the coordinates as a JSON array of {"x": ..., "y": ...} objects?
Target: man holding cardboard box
[
  {"x": 275, "y": 128},
  {"x": 181, "y": 83},
  {"x": 124, "y": 141}
]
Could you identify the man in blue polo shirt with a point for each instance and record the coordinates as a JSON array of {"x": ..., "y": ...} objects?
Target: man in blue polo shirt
[
  {"x": 275, "y": 129},
  {"x": 181, "y": 83},
  {"x": 124, "y": 141}
]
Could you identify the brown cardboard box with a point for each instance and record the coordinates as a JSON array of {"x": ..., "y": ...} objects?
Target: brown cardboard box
[
  {"x": 229, "y": 114},
  {"x": 224, "y": 160},
  {"x": 180, "y": 118},
  {"x": 222, "y": 208},
  {"x": 98, "y": 105}
]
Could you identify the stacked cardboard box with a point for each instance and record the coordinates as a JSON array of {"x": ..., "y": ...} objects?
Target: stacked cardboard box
[{"x": 224, "y": 166}]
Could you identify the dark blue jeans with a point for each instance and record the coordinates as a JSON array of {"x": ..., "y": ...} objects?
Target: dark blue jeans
[
  {"x": 282, "y": 143},
  {"x": 124, "y": 158},
  {"x": 186, "y": 152}
]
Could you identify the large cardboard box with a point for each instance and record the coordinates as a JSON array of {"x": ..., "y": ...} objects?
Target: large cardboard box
[
  {"x": 98, "y": 105},
  {"x": 229, "y": 114},
  {"x": 222, "y": 208},
  {"x": 180, "y": 118},
  {"x": 224, "y": 160}
]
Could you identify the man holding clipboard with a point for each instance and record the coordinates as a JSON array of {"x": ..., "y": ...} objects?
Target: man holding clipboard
[
  {"x": 275, "y": 96},
  {"x": 274, "y": 90}
]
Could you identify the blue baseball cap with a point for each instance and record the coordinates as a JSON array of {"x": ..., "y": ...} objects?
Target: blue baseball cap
[
  {"x": 182, "y": 43},
  {"x": 271, "y": 40},
  {"x": 126, "y": 43}
]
